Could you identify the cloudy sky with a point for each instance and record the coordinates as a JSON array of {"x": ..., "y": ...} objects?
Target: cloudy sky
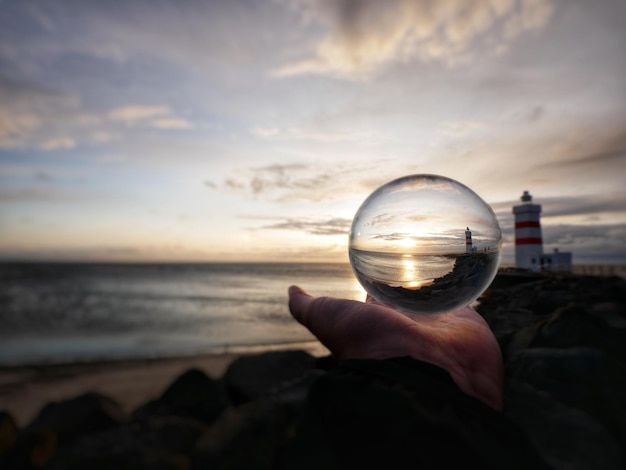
[{"x": 252, "y": 130}]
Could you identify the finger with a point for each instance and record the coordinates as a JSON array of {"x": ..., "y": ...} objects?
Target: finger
[
  {"x": 299, "y": 302},
  {"x": 319, "y": 314}
]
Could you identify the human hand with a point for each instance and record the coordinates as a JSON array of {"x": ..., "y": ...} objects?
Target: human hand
[{"x": 459, "y": 341}]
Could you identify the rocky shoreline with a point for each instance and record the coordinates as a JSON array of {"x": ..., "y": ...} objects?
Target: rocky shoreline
[{"x": 563, "y": 339}]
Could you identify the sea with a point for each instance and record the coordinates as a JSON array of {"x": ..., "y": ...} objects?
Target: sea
[
  {"x": 74, "y": 312},
  {"x": 54, "y": 313}
]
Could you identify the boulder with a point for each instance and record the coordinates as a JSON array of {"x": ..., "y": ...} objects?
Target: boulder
[
  {"x": 248, "y": 436},
  {"x": 8, "y": 433},
  {"x": 161, "y": 442},
  {"x": 84, "y": 414},
  {"x": 567, "y": 437},
  {"x": 580, "y": 326},
  {"x": 193, "y": 394},
  {"x": 252, "y": 377},
  {"x": 59, "y": 424},
  {"x": 583, "y": 378}
]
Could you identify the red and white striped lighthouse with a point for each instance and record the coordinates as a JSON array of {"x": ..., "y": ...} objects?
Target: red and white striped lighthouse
[
  {"x": 528, "y": 241},
  {"x": 468, "y": 240}
]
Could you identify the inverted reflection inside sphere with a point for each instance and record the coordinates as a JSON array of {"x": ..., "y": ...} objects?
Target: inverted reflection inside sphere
[{"x": 425, "y": 244}]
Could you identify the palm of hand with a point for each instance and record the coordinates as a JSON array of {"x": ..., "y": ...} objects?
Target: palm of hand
[{"x": 459, "y": 341}]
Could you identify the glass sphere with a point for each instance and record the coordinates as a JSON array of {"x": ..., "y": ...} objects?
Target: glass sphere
[{"x": 425, "y": 244}]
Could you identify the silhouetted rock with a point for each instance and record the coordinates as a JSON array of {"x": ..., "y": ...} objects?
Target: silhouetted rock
[
  {"x": 161, "y": 442},
  {"x": 82, "y": 415},
  {"x": 558, "y": 311},
  {"x": 567, "y": 437},
  {"x": 59, "y": 424},
  {"x": 249, "y": 436},
  {"x": 8, "y": 433},
  {"x": 192, "y": 394},
  {"x": 563, "y": 339},
  {"x": 252, "y": 377},
  {"x": 577, "y": 326},
  {"x": 582, "y": 378}
]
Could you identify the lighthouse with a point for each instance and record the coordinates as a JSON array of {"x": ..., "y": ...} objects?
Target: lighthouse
[
  {"x": 528, "y": 241},
  {"x": 468, "y": 240}
]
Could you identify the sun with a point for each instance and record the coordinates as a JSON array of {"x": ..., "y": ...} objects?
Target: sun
[{"x": 407, "y": 242}]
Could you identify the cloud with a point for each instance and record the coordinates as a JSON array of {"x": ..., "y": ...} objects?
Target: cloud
[
  {"x": 313, "y": 226},
  {"x": 34, "y": 116},
  {"x": 363, "y": 36},
  {"x": 58, "y": 143},
  {"x": 298, "y": 133},
  {"x": 303, "y": 182},
  {"x": 39, "y": 195},
  {"x": 585, "y": 205},
  {"x": 24, "y": 109},
  {"x": 462, "y": 128},
  {"x": 588, "y": 243},
  {"x": 554, "y": 207},
  {"x": 132, "y": 115},
  {"x": 171, "y": 123},
  {"x": 158, "y": 117},
  {"x": 617, "y": 156}
]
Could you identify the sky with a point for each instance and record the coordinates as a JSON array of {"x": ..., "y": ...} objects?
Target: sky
[{"x": 242, "y": 130}]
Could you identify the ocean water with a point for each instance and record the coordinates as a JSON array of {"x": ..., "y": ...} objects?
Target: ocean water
[{"x": 53, "y": 313}]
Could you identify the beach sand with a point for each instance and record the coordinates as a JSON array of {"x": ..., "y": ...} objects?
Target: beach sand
[{"x": 25, "y": 390}]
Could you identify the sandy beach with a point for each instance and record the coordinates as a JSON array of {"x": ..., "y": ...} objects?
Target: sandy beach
[{"x": 25, "y": 390}]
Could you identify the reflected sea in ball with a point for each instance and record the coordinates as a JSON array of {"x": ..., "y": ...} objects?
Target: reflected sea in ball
[{"x": 424, "y": 283}]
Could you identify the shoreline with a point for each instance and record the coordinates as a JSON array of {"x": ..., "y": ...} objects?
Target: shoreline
[{"x": 26, "y": 389}]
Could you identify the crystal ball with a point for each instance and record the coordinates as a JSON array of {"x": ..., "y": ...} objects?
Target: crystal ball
[{"x": 425, "y": 244}]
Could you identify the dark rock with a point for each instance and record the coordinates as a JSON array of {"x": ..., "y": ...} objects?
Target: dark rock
[
  {"x": 559, "y": 311},
  {"x": 582, "y": 378},
  {"x": 252, "y": 377},
  {"x": 548, "y": 300},
  {"x": 162, "y": 442},
  {"x": 8, "y": 433},
  {"x": 249, "y": 436},
  {"x": 613, "y": 313},
  {"x": 326, "y": 362},
  {"x": 33, "y": 450},
  {"x": 84, "y": 414},
  {"x": 567, "y": 437},
  {"x": 496, "y": 302},
  {"x": 506, "y": 279},
  {"x": 575, "y": 326},
  {"x": 193, "y": 394},
  {"x": 58, "y": 424},
  {"x": 173, "y": 434}
]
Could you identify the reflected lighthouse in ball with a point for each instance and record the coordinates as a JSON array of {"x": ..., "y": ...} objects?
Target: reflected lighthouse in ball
[{"x": 408, "y": 248}]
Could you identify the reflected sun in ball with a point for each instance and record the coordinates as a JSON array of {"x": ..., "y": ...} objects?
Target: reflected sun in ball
[{"x": 410, "y": 274}]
